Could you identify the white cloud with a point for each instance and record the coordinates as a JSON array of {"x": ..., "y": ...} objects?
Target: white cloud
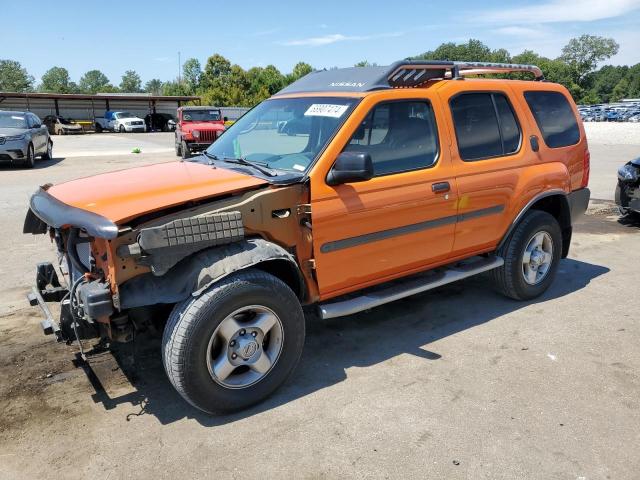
[
  {"x": 560, "y": 11},
  {"x": 517, "y": 31},
  {"x": 335, "y": 38}
]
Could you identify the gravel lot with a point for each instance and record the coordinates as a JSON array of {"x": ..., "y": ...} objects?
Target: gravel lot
[{"x": 456, "y": 383}]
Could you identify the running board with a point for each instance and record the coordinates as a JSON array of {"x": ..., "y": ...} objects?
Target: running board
[{"x": 406, "y": 287}]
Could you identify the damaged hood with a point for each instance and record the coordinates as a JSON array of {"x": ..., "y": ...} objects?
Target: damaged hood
[{"x": 126, "y": 194}]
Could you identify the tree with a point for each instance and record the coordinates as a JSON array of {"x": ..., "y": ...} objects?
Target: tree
[
  {"x": 131, "y": 82},
  {"x": 56, "y": 80},
  {"x": 191, "y": 72},
  {"x": 300, "y": 70},
  {"x": 584, "y": 53},
  {"x": 472, "y": 51},
  {"x": 153, "y": 86},
  {"x": 94, "y": 81},
  {"x": 364, "y": 63},
  {"x": 173, "y": 88},
  {"x": 14, "y": 78},
  {"x": 216, "y": 72}
]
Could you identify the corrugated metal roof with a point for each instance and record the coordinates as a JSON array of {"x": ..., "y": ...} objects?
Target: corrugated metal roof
[{"x": 102, "y": 96}]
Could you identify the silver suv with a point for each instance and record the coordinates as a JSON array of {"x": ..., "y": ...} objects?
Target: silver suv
[{"x": 23, "y": 137}]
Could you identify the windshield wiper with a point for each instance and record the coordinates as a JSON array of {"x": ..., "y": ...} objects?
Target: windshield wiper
[
  {"x": 210, "y": 156},
  {"x": 243, "y": 161}
]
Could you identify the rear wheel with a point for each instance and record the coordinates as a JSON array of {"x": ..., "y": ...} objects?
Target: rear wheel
[
  {"x": 531, "y": 256},
  {"x": 177, "y": 145},
  {"x": 121, "y": 129},
  {"x": 98, "y": 128},
  {"x": 236, "y": 343}
]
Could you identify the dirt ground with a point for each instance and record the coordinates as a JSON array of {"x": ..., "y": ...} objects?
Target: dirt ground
[{"x": 454, "y": 383}]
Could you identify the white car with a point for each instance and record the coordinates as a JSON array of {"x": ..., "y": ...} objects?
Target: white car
[{"x": 119, "y": 122}]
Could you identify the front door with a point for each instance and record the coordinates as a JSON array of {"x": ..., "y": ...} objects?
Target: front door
[{"x": 401, "y": 220}]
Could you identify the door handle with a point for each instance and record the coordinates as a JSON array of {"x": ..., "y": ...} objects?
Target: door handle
[{"x": 440, "y": 187}]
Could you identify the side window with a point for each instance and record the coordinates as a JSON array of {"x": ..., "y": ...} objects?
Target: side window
[
  {"x": 485, "y": 126},
  {"x": 554, "y": 117},
  {"x": 399, "y": 136}
]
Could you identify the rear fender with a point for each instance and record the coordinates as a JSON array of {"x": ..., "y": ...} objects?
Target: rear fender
[{"x": 194, "y": 274}]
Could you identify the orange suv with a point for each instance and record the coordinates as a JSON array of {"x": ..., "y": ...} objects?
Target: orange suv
[{"x": 396, "y": 180}]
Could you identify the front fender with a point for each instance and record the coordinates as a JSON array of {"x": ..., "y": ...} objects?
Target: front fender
[{"x": 194, "y": 274}]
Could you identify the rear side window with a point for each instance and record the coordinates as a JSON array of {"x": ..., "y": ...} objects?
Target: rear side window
[
  {"x": 485, "y": 126},
  {"x": 554, "y": 117}
]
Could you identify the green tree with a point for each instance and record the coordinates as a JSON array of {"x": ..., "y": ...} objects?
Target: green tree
[
  {"x": 364, "y": 63},
  {"x": 191, "y": 73},
  {"x": 131, "y": 82},
  {"x": 153, "y": 86},
  {"x": 94, "y": 81},
  {"x": 14, "y": 78},
  {"x": 584, "y": 53},
  {"x": 173, "y": 88},
  {"x": 56, "y": 80},
  {"x": 216, "y": 72},
  {"x": 471, "y": 51},
  {"x": 299, "y": 70}
]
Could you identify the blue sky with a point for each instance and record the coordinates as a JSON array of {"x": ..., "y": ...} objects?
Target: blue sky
[{"x": 147, "y": 35}]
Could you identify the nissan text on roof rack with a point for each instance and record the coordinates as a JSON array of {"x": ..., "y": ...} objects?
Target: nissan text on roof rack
[{"x": 397, "y": 180}]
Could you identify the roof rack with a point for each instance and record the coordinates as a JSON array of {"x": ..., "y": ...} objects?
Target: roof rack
[
  {"x": 402, "y": 74},
  {"x": 411, "y": 73}
]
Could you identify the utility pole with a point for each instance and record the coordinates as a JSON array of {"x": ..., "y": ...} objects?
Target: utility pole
[{"x": 179, "y": 69}]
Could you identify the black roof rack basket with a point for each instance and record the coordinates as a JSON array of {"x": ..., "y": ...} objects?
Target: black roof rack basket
[{"x": 411, "y": 73}]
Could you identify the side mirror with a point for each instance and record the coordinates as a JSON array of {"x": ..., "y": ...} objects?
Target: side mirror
[
  {"x": 350, "y": 167},
  {"x": 225, "y": 119}
]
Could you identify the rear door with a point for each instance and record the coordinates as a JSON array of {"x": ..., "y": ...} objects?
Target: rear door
[
  {"x": 489, "y": 155},
  {"x": 399, "y": 221}
]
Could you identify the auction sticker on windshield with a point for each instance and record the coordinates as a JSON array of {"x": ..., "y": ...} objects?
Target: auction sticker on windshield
[{"x": 325, "y": 110}]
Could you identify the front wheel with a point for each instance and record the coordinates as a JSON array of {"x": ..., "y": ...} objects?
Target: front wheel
[
  {"x": 185, "y": 152},
  {"x": 531, "y": 256},
  {"x": 121, "y": 129},
  {"x": 30, "y": 159},
  {"x": 236, "y": 343},
  {"x": 48, "y": 155}
]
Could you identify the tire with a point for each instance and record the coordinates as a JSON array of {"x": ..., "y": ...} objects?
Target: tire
[
  {"x": 510, "y": 279},
  {"x": 177, "y": 145},
  {"x": 30, "y": 160},
  {"x": 193, "y": 328},
  {"x": 121, "y": 129},
  {"x": 184, "y": 150},
  {"x": 48, "y": 154},
  {"x": 98, "y": 128}
]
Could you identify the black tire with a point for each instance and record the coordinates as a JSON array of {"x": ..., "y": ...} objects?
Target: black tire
[
  {"x": 121, "y": 129},
  {"x": 509, "y": 279},
  {"x": 177, "y": 145},
  {"x": 48, "y": 154},
  {"x": 30, "y": 159},
  {"x": 185, "y": 152},
  {"x": 98, "y": 128},
  {"x": 192, "y": 323}
]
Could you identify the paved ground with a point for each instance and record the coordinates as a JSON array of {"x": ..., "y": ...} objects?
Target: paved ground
[{"x": 456, "y": 383}]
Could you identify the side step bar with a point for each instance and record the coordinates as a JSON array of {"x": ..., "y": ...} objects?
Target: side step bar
[{"x": 403, "y": 288}]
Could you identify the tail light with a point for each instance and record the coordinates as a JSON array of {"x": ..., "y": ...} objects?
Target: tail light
[{"x": 586, "y": 169}]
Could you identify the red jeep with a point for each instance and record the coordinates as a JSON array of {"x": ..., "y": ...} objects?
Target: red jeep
[{"x": 198, "y": 127}]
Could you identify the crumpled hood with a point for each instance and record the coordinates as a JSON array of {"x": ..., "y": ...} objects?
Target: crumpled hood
[{"x": 126, "y": 194}]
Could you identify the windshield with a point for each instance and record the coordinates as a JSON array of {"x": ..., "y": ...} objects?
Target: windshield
[
  {"x": 12, "y": 120},
  {"x": 286, "y": 134},
  {"x": 64, "y": 121},
  {"x": 201, "y": 115},
  {"x": 123, "y": 115}
]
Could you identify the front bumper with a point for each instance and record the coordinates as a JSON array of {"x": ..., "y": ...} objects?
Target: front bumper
[
  {"x": 627, "y": 196},
  {"x": 134, "y": 128},
  {"x": 12, "y": 151},
  {"x": 198, "y": 146}
]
